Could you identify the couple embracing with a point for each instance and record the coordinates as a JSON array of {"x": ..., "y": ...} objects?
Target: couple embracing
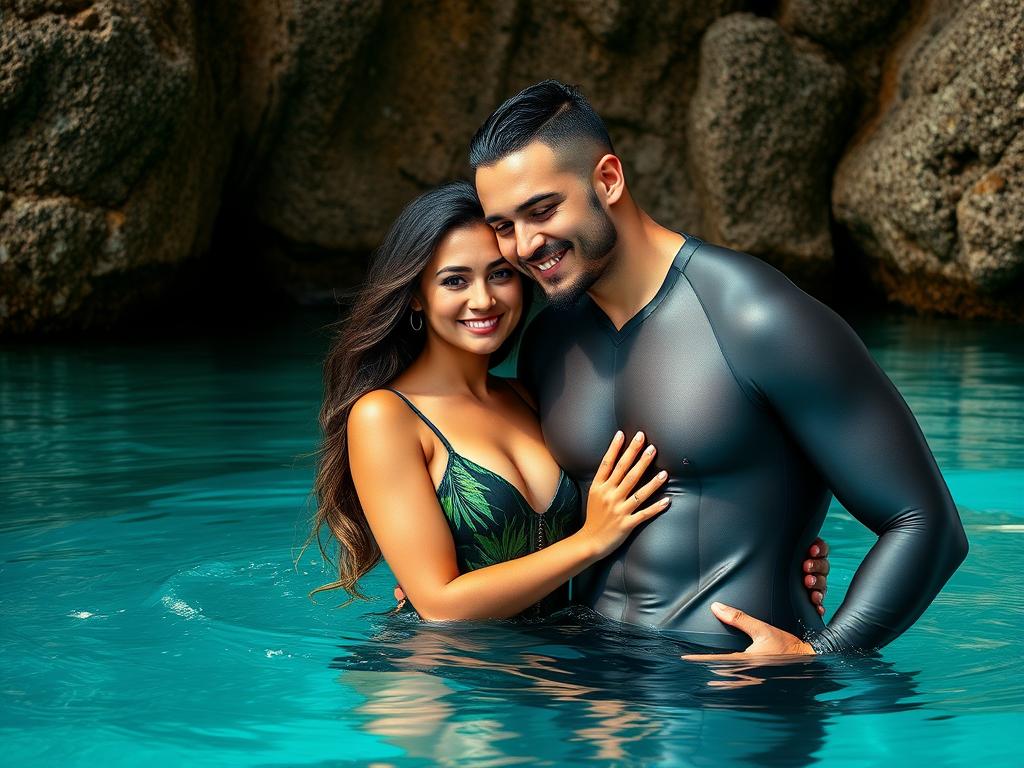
[{"x": 680, "y": 420}]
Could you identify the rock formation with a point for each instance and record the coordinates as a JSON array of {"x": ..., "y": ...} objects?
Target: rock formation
[
  {"x": 765, "y": 126},
  {"x": 931, "y": 188},
  {"x": 113, "y": 147},
  {"x": 131, "y": 129}
]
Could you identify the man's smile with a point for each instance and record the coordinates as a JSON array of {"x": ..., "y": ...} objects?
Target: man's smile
[{"x": 547, "y": 263}]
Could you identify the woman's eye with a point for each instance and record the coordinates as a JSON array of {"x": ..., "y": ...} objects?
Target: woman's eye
[
  {"x": 502, "y": 274},
  {"x": 452, "y": 282}
]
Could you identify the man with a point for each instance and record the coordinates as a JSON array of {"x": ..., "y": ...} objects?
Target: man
[{"x": 760, "y": 400}]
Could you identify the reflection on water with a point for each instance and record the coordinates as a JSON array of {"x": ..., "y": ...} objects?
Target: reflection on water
[
  {"x": 963, "y": 381},
  {"x": 150, "y": 498},
  {"x": 608, "y": 690}
]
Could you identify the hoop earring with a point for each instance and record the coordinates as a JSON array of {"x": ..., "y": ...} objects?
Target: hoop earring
[{"x": 413, "y": 317}]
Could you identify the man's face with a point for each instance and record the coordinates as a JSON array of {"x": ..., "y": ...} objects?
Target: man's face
[{"x": 549, "y": 221}]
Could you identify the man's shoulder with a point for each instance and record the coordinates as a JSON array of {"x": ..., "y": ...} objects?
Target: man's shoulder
[
  {"x": 744, "y": 294},
  {"x": 743, "y": 276}
]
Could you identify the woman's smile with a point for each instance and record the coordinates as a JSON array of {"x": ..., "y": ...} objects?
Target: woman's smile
[{"x": 482, "y": 326}]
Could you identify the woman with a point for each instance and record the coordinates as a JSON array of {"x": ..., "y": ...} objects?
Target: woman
[{"x": 433, "y": 463}]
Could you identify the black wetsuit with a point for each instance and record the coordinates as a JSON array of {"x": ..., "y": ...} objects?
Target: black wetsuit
[{"x": 761, "y": 402}]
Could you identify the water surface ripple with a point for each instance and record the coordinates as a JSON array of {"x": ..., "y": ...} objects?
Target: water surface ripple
[{"x": 151, "y": 499}]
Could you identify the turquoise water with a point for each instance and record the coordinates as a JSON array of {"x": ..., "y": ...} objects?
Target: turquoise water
[{"x": 151, "y": 497}]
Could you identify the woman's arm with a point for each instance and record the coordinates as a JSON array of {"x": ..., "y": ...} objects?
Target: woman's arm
[{"x": 389, "y": 469}]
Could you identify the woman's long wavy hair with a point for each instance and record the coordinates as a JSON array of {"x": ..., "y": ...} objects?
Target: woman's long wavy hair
[{"x": 371, "y": 347}]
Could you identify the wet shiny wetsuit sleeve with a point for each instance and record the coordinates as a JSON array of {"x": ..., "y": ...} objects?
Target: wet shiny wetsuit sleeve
[{"x": 796, "y": 357}]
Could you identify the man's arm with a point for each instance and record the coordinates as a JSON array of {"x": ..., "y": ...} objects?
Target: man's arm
[{"x": 804, "y": 362}]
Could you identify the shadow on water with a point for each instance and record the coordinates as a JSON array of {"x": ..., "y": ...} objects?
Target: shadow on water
[{"x": 600, "y": 691}]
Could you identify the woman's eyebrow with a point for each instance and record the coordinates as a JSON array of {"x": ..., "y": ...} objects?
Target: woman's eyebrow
[
  {"x": 453, "y": 269},
  {"x": 456, "y": 268}
]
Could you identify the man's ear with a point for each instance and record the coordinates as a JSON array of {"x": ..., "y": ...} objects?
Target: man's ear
[{"x": 609, "y": 179}]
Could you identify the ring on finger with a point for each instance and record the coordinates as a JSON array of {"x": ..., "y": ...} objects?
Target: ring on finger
[{"x": 636, "y": 497}]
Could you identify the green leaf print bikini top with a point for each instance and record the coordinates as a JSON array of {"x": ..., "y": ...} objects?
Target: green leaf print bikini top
[{"x": 490, "y": 519}]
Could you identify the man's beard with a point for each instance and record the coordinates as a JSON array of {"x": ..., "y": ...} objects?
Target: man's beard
[{"x": 592, "y": 246}]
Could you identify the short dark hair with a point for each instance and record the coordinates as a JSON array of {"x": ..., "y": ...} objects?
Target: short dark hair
[{"x": 552, "y": 112}]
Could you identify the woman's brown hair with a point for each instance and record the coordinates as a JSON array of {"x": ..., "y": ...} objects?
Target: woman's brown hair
[{"x": 371, "y": 347}]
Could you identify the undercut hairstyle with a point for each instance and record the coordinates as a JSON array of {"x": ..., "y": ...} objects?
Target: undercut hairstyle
[{"x": 551, "y": 112}]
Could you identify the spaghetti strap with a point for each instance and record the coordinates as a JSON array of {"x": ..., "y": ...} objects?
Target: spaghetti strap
[
  {"x": 428, "y": 422},
  {"x": 490, "y": 518}
]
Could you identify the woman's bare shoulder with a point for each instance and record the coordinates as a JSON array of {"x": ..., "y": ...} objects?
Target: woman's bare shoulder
[
  {"x": 377, "y": 406},
  {"x": 381, "y": 416}
]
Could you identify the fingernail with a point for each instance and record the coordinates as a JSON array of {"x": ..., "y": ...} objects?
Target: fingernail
[
  {"x": 662, "y": 475},
  {"x": 717, "y": 606},
  {"x": 813, "y": 581},
  {"x": 649, "y": 450},
  {"x": 638, "y": 436},
  {"x": 815, "y": 551},
  {"x": 619, "y": 435}
]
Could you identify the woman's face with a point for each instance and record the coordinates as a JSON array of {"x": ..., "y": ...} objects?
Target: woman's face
[{"x": 470, "y": 296}]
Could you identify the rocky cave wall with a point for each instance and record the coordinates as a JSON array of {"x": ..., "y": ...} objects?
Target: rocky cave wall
[{"x": 887, "y": 134}]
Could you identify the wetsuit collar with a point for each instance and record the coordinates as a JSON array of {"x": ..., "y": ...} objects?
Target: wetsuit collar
[{"x": 679, "y": 262}]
